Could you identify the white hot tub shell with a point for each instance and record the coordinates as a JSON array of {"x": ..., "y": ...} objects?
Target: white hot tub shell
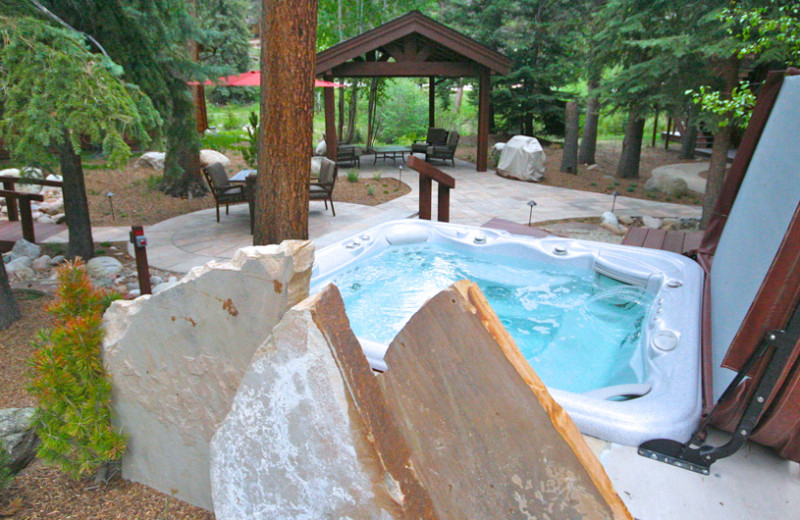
[{"x": 669, "y": 400}]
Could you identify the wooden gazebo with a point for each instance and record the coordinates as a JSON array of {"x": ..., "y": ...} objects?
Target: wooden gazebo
[{"x": 413, "y": 45}]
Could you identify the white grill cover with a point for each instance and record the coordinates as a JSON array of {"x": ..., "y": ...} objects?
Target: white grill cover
[{"x": 522, "y": 158}]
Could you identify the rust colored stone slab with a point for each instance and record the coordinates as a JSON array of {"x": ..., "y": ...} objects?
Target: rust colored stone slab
[
  {"x": 401, "y": 480},
  {"x": 486, "y": 438}
]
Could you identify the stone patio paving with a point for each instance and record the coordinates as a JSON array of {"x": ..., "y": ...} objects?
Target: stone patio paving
[{"x": 180, "y": 243}]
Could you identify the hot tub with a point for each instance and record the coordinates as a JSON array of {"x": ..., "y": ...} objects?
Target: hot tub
[{"x": 614, "y": 331}]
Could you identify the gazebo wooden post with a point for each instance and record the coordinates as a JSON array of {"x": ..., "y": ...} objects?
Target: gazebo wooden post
[
  {"x": 483, "y": 119},
  {"x": 331, "y": 142},
  {"x": 431, "y": 101}
]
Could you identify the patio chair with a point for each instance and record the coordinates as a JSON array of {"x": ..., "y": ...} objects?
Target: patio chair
[
  {"x": 444, "y": 152},
  {"x": 322, "y": 189},
  {"x": 436, "y": 136},
  {"x": 221, "y": 188}
]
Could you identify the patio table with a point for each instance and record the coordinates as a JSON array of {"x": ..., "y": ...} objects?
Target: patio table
[
  {"x": 241, "y": 176},
  {"x": 390, "y": 152}
]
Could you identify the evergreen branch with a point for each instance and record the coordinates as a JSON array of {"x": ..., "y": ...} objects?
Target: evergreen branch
[{"x": 68, "y": 26}]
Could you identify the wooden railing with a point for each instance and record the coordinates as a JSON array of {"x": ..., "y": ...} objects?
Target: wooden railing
[
  {"x": 428, "y": 174},
  {"x": 18, "y": 204}
]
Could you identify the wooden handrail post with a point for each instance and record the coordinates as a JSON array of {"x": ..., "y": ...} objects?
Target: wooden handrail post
[
  {"x": 444, "y": 203},
  {"x": 27, "y": 219},
  {"x": 428, "y": 174},
  {"x": 11, "y": 202},
  {"x": 425, "y": 188}
]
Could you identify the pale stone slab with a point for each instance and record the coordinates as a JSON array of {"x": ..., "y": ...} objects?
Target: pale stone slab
[
  {"x": 293, "y": 444},
  {"x": 176, "y": 359}
]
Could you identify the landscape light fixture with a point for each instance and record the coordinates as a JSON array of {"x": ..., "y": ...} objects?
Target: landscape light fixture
[
  {"x": 614, "y": 201},
  {"x": 531, "y": 203},
  {"x": 400, "y": 174},
  {"x": 110, "y": 196}
]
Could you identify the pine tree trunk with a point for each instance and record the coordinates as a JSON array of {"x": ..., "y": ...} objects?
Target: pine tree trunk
[
  {"x": 569, "y": 157},
  {"x": 719, "y": 150},
  {"x": 586, "y": 153},
  {"x": 372, "y": 110},
  {"x": 76, "y": 206},
  {"x": 628, "y": 166},
  {"x": 688, "y": 139},
  {"x": 340, "y": 129},
  {"x": 716, "y": 172},
  {"x": 527, "y": 124},
  {"x": 9, "y": 312},
  {"x": 351, "y": 114},
  {"x": 287, "y": 99},
  {"x": 182, "y": 161}
]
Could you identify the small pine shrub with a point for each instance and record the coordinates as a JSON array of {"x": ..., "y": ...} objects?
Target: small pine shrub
[
  {"x": 69, "y": 381},
  {"x": 370, "y": 190},
  {"x": 376, "y": 176},
  {"x": 631, "y": 189},
  {"x": 352, "y": 176}
]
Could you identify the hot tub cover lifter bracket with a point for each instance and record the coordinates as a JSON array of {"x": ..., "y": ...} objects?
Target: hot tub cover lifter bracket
[{"x": 698, "y": 457}]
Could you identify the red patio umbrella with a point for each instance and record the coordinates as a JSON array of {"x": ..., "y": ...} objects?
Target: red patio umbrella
[{"x": 252, "y": 78}]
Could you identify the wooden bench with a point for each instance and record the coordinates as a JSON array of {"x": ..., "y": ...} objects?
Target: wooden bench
[{"x": 680, "y": 242}]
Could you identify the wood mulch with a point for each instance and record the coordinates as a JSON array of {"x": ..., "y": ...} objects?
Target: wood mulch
[{"x": 41, "y": 492}]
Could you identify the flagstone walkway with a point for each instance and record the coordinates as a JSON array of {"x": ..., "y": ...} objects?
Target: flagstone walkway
[{"x": 190, "y": 240}]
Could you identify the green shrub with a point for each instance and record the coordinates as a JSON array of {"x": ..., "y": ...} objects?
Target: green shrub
[
  {"x": 250, "y": 152},
  {"x": 370, "y": 190},
  {"x": 223, "y": 141},
  {"x": 352, "y": 175},
  {"x": 376, "y": 176},
  {"x": 68, "y": 380}
]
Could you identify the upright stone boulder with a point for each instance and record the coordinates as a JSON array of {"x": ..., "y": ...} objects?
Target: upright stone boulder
[
  {"x": 293, "y": 445},
  {"x": 176, "y": 359}
]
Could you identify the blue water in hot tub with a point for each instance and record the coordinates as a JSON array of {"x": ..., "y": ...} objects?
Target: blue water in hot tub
[{"x": 578, "y": 329}]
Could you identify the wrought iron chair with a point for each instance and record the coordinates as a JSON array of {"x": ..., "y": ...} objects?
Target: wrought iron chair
[
  {"x": 444, "y": 152},
  {"x": 322, "y": 189},
  {"x": 436, "y": 136},
  {"x": 221, "y": 188}
]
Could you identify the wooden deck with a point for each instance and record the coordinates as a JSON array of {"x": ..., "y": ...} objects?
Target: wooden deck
[
  {"x": 676, "y": 241},
  {"x": 10, "y": 232}
]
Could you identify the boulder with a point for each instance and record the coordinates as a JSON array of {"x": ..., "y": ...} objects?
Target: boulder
[
  {"x": 18, "y": 437},
  {"x": 625, "y": 220},
  {"x": 41, "y": 264},
  {"x": 57, "y": 260},
  {"x": 176, "y": 359},
  {"x": 209, "y": 157},
  {"x": 321, "y": 149},
  {"x": 45, "y": 219},
  {"x": 102, "y": 267},
  {"x": 154, "y": 160},
  {"x": 52, "y": 207},
  {"x": 610, "y": 222},
  {"x": 21, "y": 273},
  {"x": 651, "y": 222},
  {"x": 155, "y": 280},
  {"x": 23, "y": 248},
  {"x": 292, "y": 446},
  {"x": 17, "y": 263},
  {"x": 667, "y": 184}
]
